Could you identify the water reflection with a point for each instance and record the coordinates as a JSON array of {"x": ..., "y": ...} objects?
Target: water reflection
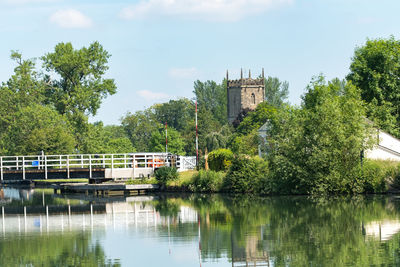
[{"x": 41, "y": 228}]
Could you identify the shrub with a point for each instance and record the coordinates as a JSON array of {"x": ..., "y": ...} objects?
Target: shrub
[
  {"x": 165, "y": 174},
  {"x": 220, "y": 159},
  {"x": 375, "y": 175},
  {"x": 248, "y": 175},
  {"x": 207, "y": 181},
  {"x": 396, "y": 177}
]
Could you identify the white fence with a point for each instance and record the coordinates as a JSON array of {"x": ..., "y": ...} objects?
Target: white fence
[{"x": 127, "y": 165}]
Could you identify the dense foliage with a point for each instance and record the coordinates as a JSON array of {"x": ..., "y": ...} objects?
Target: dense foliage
[
  {"x": 165, "y": 174},
  {"x": 220, "y": 159},
  {"x": 207, "y": 181},
  {"x": 276, "y": 91},
  {"x": 47, "y": 109},
  {"x": 247, "y": 175},
  {"x": 316, "y": 148},
  {"x": 375, "y": 69}
]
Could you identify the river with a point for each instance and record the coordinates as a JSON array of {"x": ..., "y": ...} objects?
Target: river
[{"x": 39, "y": 228}]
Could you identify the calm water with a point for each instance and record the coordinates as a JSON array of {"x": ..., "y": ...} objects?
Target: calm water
[{"x": 38, "y": 228}]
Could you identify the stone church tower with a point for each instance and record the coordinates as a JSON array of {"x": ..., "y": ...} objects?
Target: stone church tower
[{"x": 244, "y": 93}]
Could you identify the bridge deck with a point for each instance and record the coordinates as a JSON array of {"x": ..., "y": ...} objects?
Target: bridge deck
[
  {"x": 40, "y": 174},
  {"x": 92, "y": 166}
]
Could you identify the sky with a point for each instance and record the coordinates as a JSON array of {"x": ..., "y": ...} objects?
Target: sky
[{"x": 160, "y": 47}]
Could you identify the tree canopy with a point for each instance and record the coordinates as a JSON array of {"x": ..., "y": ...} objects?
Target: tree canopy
[
  {"x": 47, "y": 109},
  {"x": 276, "y": 91},
  {"x": 316, "y": 148},
  {"x": 80, "y": 85},
  {"x": 375, "y": 69}
]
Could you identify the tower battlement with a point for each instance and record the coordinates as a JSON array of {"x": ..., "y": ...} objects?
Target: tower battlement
[
  {"x": 244, "y": 93},
  {"x": 245, "y": 81}
]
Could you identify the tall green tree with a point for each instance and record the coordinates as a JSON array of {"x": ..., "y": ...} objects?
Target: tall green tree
[
  {"x": 213, "y": 97},
  {"x": 218, "y": 138},
  {"x": 105, "y": 139},
  {"x": 375, "y": 69},
  {"x": 246, "y": 139},
  {"x": 276, "y": 91},
  {"x": 175, "y": 142},
  {"x": 24, "y": 88},
  {"x": 316, "y": 148},
  {"x": 176, "y": 113},
  {"x": 39, "y": 128},
  {"x": 80, "y": 85},
  {"x": 24, "y": 122},
  {"x": 139, "y": 127}
]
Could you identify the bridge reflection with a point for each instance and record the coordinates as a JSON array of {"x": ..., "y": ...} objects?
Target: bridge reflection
[{"x": 79, "y": 214}]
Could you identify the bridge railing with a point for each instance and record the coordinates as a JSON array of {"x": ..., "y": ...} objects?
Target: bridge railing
[{"x": 93, "y": 161}]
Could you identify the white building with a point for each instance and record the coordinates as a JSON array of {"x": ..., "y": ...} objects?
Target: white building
[{"x": 387, "y": 147}]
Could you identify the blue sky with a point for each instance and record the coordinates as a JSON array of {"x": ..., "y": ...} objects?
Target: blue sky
[{"x": 160, "y": 47}]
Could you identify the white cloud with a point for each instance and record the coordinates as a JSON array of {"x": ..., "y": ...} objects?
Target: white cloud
[
  {"x": 183, "y": 73},
  {"x": 149, "y": 95},
  {"x": 71, "y": 18},
  {"x": 210, "y": 10}
]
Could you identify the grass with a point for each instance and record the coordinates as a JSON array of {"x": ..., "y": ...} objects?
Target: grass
[
  {"x": 185, "y": 178},
  {"x": 152, "y": 180}
]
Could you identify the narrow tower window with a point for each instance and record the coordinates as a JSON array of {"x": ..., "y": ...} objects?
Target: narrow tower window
[{"x": 253, "y": 98}]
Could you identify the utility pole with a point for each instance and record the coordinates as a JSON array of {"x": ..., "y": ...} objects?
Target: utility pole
[
  {"x": 197, "y": 139},
  {"x": 166, "y": 141}
]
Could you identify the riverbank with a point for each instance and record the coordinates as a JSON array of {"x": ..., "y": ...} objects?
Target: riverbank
[
  {"x": 244, "y": 175},
  {"x": 253, "y": 176}
]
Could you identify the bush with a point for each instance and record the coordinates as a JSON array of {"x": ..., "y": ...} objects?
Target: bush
[
  {"x": 396, "y": 177},
  {"x": 165, "y": 174},
  {"x": 248, "y": 175},
  {"x": 220, "y": 159},
  {"x": 207, "y": 181},
  {"x": 377, "y": 174}
]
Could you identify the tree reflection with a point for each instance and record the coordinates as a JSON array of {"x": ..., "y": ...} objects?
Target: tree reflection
[
  {"x": 68, "y": 249},
  {"x": 295, "y": 231}
]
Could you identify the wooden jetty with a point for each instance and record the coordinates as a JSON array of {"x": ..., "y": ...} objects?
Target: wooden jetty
[{"x": 106, "y": 189}]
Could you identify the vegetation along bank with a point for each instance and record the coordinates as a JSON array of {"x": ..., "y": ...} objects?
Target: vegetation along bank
[{"x": 315, "y": 147}]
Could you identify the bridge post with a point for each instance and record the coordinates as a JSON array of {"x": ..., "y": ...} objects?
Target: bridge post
[
  {"x": 152, "y": 159},
  {"x": 68, "y": 167},
  {"x": 134, "y": 165},
  {"x": 90, "y": 166},
  {"x": 45, "y": 167},
  {"x": 17, "y": 162},
  {"x": 112, "y": 165},
  {"x": 1, "y": 167},
  {"x": 23, "y": 168}
]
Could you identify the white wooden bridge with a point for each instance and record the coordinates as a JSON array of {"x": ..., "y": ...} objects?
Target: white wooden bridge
[{"x": 92, "y": 166}]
